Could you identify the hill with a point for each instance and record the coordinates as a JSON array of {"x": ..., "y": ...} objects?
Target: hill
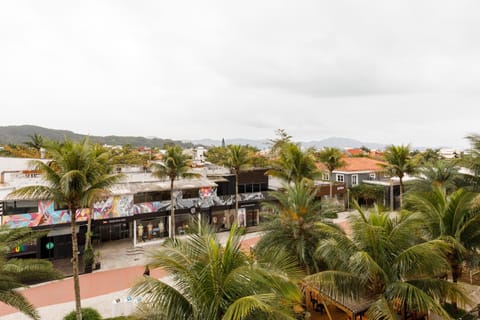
[
  {"x": 329, "y": 142},
  {"x": 21, "y": 134}
]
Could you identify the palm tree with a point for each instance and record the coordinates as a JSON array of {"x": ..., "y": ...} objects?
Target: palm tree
[
  {"x": 443, "y": 173},
  {"x": 174, "y": 165},
  {"x": 293, "y": 225},
  {"x": 73, "y": 178},
  {"x": 472, "y": 162},
  {"x": 36, "y": 141},
  {"x": 16, "y": 273},
  {"x": 237, "y": 160},
  {"x": 332, "y": 159},
  {"x": 293, "y": 165},
  {"x": 452, "y": 219},
  {"x": 104, "y": 163},
  {"x": 386, "y": 260},
  {"x": 210, "y": 281},
  {"x": 399, "y": 164}
]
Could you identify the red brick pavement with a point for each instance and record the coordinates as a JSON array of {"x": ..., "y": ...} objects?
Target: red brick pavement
[{"x": 91, "y": 284}]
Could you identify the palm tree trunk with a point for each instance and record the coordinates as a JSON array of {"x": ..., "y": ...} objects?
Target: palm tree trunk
[
  {"x": 331, "y": 184},
  {"x": 236, "y": 193},
  {"x": 172, "y": 212},
  {"x": 88, "y": 238},
  {"x": 76, "y": 280},
  {"x": 401, "y": 192},
  {"x": 456, "y": 274}
]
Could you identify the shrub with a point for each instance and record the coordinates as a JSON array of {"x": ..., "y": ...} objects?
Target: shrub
[
  {"x": 88, "y": 256},
  {"x": 87, "y": 314}
]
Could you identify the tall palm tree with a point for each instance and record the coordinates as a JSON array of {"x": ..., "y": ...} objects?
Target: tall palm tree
[
  {"x": 73, "y": 178},
  {"x": 472, "y": 162},
  {"x": 399, "y": 164},
  {"x": 211, "y": 281},
  {"x": 332, "y": 159},
  {"x": 386, "y": 260},
  {"x": 293, "y": 225},
  {"x": 104, "y": 163},
  {"x": 16, "y": 273},
  {"x": 36, "y": 141},
  {"x": 293, "y": 165},
  {"x": 237, "y": 160},
  {"x": 443, "y": 173},
  {"x": 174, "y": 165},
  {"x": 452, "y": 219}
]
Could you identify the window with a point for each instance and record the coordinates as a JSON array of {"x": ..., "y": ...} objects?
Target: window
[
  {"x": 340, "y": 178},
  {"x": 372, "y": 176},
  {"x": 325, "y": 176},
  {"x": 354, "y": 179},
  {"x": 21, "y": 206}
]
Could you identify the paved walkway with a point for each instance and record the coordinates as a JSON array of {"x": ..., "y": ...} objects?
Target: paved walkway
[{"x": 122, "y": 266}]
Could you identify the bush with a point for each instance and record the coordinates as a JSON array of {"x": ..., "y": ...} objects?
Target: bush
[
  {"x": 87, "y": 314},
  {"x": 88, "y": 256}
]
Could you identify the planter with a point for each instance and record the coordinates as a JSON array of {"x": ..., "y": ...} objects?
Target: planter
[
  {"x": 88, "y": 268},
  {"x": 98, "y": 265}
]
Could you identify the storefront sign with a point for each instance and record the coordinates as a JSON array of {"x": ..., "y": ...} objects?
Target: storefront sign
[{"x": 49, "y": 245}]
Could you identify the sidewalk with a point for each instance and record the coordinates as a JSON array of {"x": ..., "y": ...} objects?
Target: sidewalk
[{"x": 120, "y": 270}]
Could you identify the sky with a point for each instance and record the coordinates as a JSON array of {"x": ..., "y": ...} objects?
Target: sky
[{"x": 392, "y": 72}]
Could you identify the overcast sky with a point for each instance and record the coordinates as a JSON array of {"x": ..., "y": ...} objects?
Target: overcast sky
[{"x": 377, "y": 71}]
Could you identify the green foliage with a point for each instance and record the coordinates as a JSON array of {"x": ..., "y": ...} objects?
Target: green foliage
[
  {"x": 387, "y": 259},
  {"x": 452, "y": 218},
  {"x": 88, "y": 256},
  {"x": 294, "y": 165},
  {"x": 399, "y": 164},
  {"x": 174, "y": 165},
  {"x": 75, "y": 178},
  {"x": 20, "y": 134},
  {"x": 87, "y": 314},
  {"x": 292, "y": 225},
  {"x": 456, "y": 313},
  {"x": 16, "y": 273},
  {"x": 443, "y": 173},
  {"x": 282, "y": 138},
  {"x": 370, "y": 194},
  {"x": 332, "y": 159},
  {"x": 212, "y": 281}
]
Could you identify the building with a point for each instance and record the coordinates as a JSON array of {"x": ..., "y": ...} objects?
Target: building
[
  {"x": 355, "y": 171},
  {"x": 138, "y": 208}
]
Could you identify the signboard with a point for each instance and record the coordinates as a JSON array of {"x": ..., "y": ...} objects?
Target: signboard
[{"x": 49, "y": 245}]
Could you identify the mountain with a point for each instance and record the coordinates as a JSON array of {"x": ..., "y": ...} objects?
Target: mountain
[
  {"x": 341, "y": 143},
  {"x": 21, "y": 134},
  {"x": 329, "y": 142}
]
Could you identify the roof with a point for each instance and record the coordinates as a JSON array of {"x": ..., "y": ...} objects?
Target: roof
[
  {"x": 357, "y": 164},
  {"x": 347, "y": 304}
]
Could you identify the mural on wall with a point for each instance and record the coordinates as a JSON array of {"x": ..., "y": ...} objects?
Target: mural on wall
[
  {"x": 147, "y": 207},
  {"x": 46, "y": 215},
  {"x": 113, "y": 207}
]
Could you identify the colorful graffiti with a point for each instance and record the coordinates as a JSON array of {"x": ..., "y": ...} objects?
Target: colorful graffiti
[
  {"x": 46, "y": 215},
  {"x": 113, "y": 207},
  {"x": 147, "y": 207}
]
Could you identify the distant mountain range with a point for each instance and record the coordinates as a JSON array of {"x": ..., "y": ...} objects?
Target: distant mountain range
[
  {"x": 23, "y": 133},
  {"x": 336, "y": 142}
]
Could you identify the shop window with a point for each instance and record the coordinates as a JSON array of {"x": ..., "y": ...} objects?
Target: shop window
[{"x": 21, "y": 206}]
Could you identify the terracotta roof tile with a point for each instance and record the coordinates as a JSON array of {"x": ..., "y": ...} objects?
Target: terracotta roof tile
[{"x": 357, "y": 164}]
